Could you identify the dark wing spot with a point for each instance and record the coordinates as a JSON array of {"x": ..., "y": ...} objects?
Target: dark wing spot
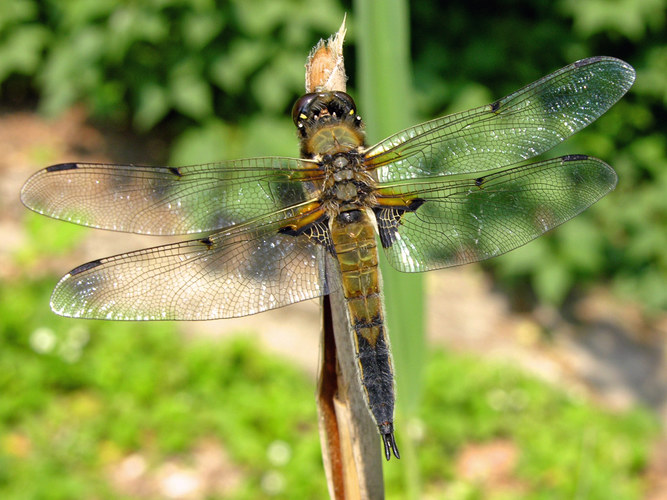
[
  {"x": 176, "y": 171},
  {"x": 207, "y": 241},
  {"x": 317, "y": 232},
  {"x": 584, "y": 62},
  {"x": 389, "y": 219},
  {"x": 575, "y": 157},
  {"x": 291, "y": 230},
  {"x": 495, "y": 106},
  {"x": 479, "y": 181},
  {"x": 62, "y": 166},
  {"x": 415, "y": 204},
  {"x": 85, "y": 267}
]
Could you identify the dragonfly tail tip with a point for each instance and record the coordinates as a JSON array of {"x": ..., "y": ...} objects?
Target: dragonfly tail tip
[{"x": 390, "y": 445}]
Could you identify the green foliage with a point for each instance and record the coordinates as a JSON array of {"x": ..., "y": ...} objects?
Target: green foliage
[
  {"x": 145, "y": 60},
  {"x": 62, "y": 238},
  {"x": 567, "y": 448},
  {"x": 78, "y": 397}
]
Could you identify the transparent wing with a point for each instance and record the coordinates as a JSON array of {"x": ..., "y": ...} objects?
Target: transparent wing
[
  {"x": 232, "y": 273},
  {"x": 515, "y": 128},
  {"x": 469, "y": 220},
  {"x": 170, "y": 200}
]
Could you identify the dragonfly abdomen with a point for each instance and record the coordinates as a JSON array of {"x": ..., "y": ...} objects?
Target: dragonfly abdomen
[{"x": 353, "y": 237}]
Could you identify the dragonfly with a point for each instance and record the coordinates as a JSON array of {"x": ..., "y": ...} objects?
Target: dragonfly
[{"x": 272, "y": 231}]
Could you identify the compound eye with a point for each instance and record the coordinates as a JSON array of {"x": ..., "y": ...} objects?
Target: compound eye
[
  {"x": 347, "y": 101},
  {"x": 302, "y": 106}
]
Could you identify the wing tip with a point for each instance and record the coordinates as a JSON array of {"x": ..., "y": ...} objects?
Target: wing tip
[
  {"x": 605, "y": 169},
  {"x": 625, "y": 67}
]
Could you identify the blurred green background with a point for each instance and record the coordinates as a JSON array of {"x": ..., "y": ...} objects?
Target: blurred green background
[{"x": 194, "y": 81}]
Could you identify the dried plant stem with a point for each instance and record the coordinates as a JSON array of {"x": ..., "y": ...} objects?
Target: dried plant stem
[{"x": 350, "y": 441}]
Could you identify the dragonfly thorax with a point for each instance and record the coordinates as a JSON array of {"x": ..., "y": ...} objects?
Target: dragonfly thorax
[{"x": 346, "y": 183}]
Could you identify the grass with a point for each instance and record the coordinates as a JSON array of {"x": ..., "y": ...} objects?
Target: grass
[
  {"x": 80, "y": 396},
  {"x": 568, "y": 448}
]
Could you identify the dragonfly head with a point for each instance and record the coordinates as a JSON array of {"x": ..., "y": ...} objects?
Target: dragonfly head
[
  {"x": 327, "y": 123},
  {"x": 325, "y": 106}
]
